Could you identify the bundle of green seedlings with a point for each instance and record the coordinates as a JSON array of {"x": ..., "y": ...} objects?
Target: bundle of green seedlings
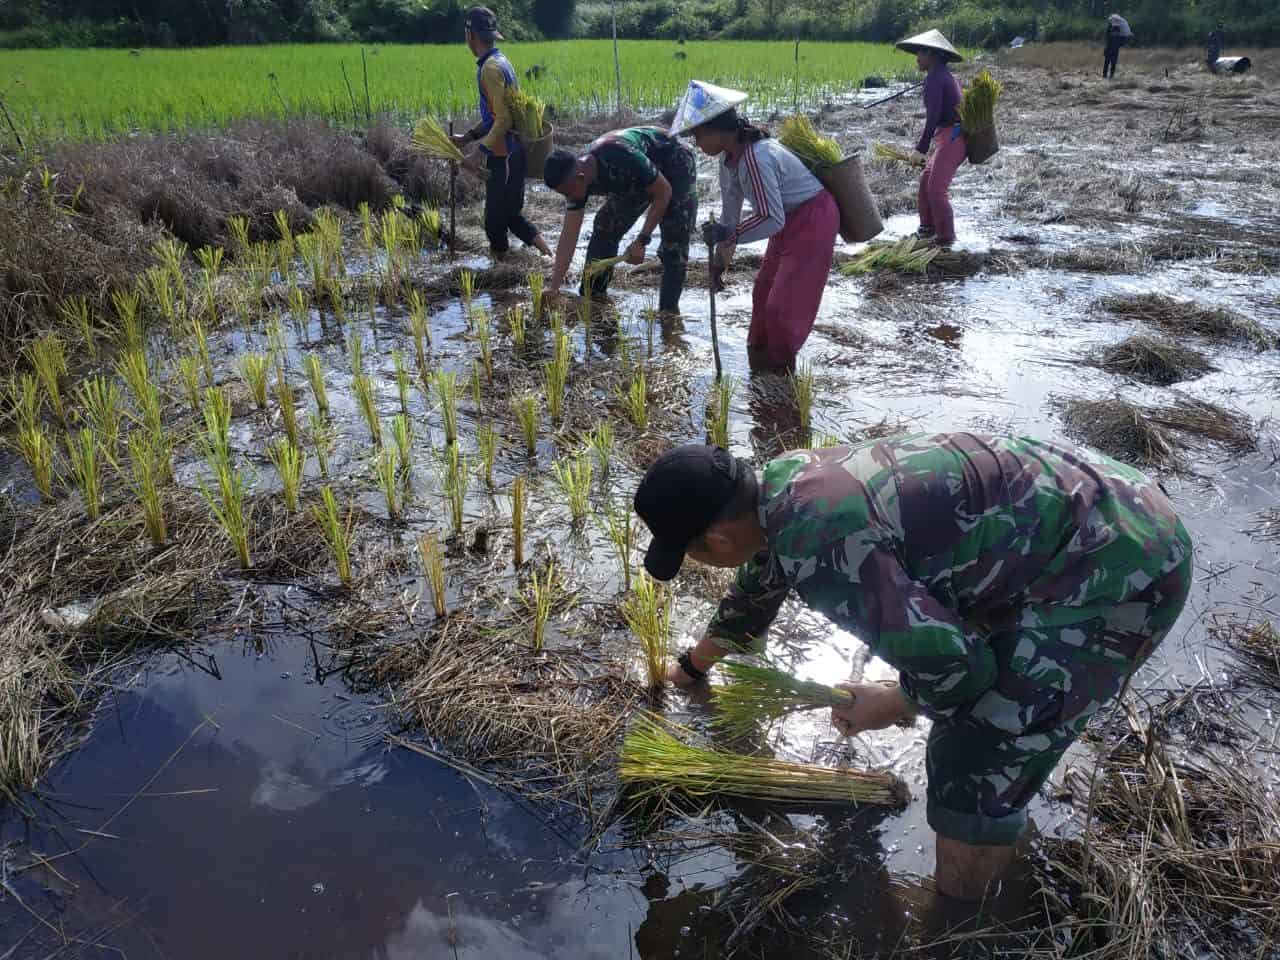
[
  {"x": 658, "y": 763},
  {"x": 724, "y": 390},
  {"x": 647, "y": 610},
  {"x": 754, "y": 693},
  {"x": 528, "y": 114},
  {"x": 432, "y": 559},
  {"x": 445, "y": 385},
  {"x": 621, "y": 530},
  {"x": 908, "y": 255},
  {"x": 525, "y": 407},
  {"x": 887, "y": 151},
  {"x": 574, "y": 479},
  {"x": 539, "y": 599},
  {"x": 431, "y": 139},
  {"x": 803, "y": 382},
  {"x": 336, "y": 531},
  {"x": 594, "y": 268},
  {"x": 814, "y": 150},
  {"x": 978, "y": 106},
  {"x": 635, "y": 400}
]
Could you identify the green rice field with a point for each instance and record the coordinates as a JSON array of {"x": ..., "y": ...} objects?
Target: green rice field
[{"x": 91, "y": 94}]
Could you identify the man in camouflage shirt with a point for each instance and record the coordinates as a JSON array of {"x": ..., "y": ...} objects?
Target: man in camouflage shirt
[
  {"x": 1014, "y": 584},
  {"x": 638, "y": 169}
]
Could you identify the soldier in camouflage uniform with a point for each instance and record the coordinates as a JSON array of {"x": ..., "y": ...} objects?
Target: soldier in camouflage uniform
[
  {"x": 1014, "y": 584},
  {"x": 638, "y": 169}
]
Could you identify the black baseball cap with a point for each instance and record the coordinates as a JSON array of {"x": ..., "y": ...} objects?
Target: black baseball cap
[
  {"x": 483, "y": 22},
  {"x": 680, "y": 497}
]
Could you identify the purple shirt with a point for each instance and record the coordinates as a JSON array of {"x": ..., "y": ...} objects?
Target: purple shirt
[{"x": 941, "y": 102}]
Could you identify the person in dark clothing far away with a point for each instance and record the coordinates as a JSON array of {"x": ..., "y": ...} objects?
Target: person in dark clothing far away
[
  {"x": 499, "y": 148},
  {"x": 1118, "y": 34},
  {"x": 1213, "y": 47}
]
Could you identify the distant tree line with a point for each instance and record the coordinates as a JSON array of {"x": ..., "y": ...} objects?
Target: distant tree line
[{"x": 135, "y": 23}]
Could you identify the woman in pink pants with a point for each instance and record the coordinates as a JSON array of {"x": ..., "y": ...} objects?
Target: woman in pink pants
[
  {"x": 941, "y": 129},
  {"x": 789, "y": 207}
]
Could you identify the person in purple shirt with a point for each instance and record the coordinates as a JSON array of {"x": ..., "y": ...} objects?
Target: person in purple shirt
[{"x": 942, "y": 130}]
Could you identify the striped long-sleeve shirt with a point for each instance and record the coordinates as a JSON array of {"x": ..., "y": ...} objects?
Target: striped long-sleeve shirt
[{"x": 776, "y": 182}]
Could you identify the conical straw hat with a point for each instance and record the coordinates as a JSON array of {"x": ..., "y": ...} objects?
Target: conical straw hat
[
  {"x": 931, "y": 40},
  {"x": 703, "y": 102}
]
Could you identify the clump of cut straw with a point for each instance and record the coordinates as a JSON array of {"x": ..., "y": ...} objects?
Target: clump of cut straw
[
  {"x": 431, "y": 139},
  {"x": 574, "y": 479},
  {"x": 647, "y": 611},
  {"x": 908, "y": 255},
  {"x": 525, "y": 407},
  {"x": 432, "y": 559},
  {"x": 1122, "y": 430},
  {"x": 1154, "y": 360},
  {"x": 814, "y": 150},
  {"x": 1181, "y": 317},
  {"x": 653, "y": 756},
  {"x": 1257, "y": 640},
  {"x": 978, "y": 105},
  {"x": 753, "y": 694},
  {"x": 888, "y": 152},
  {"x": 336, "y": 532},
  {"x": 1233, "y": 429},
  {"x": 528, "y": 114}
]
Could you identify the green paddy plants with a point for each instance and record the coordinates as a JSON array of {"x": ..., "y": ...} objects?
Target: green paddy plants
[
  {"x": 384, "y": 468},
  {"x": 647, "y": 610},
  {"x": 516, "y": 323},
  {"x": 600, "y": 442},
  {"x": 217, "y": 425},
  {"x": 487, "y": 444},
  {"x": 82, "y": 448},
  {"x": 477, "y": 386},
  {"x": 36, "y": 450},
  {"x": 467, "y": 290},
  {"x": 322, "y": 441},
  {"x": 484, "y": 339},
  {"x": 288, "y": 460},
  {"x": 723, "y": 393},
  {"x": 635, "y": 400},
  {"x": 519, "y": 503},
  {"x": 402, "y": 380},
  {"x": 148, "y": 464},
  {"x": 362, "y": 389},
  {"x": 432, "y": 559},
  {"x": 189, "y": 373},
  {"x": 402, "y": 433},
  {"x": 337, "y": 532},
  {"x": 803, "y": 382},
  {"x": 136, "y": 373},
  {"x": 75, "y": 313},
  {"x": 288, "y": 410},
  {"x": 455, "y": 487},
  {"x": 160, "y": 285},
  {"x": 430, "y": 221},
  {"x": 621, "y": 527},
  {"x": 755, "y": 694},
  {"x": 254, "y": 369},
  {"x": 525, "y": 407},
  {"x": 47, "y": 356},
  {"x": 537, "y": 283},
  {"x": 101, "y": 404},
  {"x": 315, "y": 376},
  {"x": 420, "y": 326},
  {"x": 130, "y": 332},
  {"x": 574, "y": 480},
  {"x": 555, "y": 378},
  {"x": 297, "y": 304},
  {"x": 444, "y": 383},
  {"x": 540, "y": 598}
]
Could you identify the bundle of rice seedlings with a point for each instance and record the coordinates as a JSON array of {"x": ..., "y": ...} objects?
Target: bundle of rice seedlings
[
  {"x": 518, "y": 505},
  {"x": 1154, "y": 360},
  {"x": 322, "y": 441},
  {"x": 230, "y": 507},
  {"x": 539, "y": 599},
  {"x": 432, "y": 559},
  {"x": 723, "y": 392},
  {"x": 102, "y": 404},
  {"x": 431, "y": 139},
  {"x": 574, "y": 479},
  {"x": 1183, "y": 317},
  {"x": 555, "y": 376},
  {"x": 431, "y": 223},
  {"x": 35, "y": 448},
  {"x": 516, "y": 324},
  {"x": 161, "y": 286},
  {"x": 83, "y": 450},
  {"x": 402, "y": 380},
  {"x": 445, "y": 385},
  {"x": 594, "y": 268},
  {"x": 621, "y": 528},
  {"x": 647, "y": 611},
  {"x": 477, "y": 386},
  {"x": 467, "y": 291},
  {"x": 484, "y": 339},
  {"x": 254, "y": 368},
  {"x": 536, "y": 284},
  {"x": 755, "y": 693},
  {"x": 635, "y": 400},
  {"x": 130, "y": 333},
  {"x": 315, "y": 376},
  {"x": 402, "y": 433},
  {"x": 887, "y": 151},
  {"x": 421, "y": 330},
  {"x": 147, "y": 464},
  {"x": 288, "y": 461},
  {"x": 487, "y": 446},
  {"x": 908, "y": 255},
  {"x": 803, "y": 382},
  {"x": 525, "y": 407},
  {"x": 978, "y": 105},
  {"x": 75, "y": 313},
  {"x": 384, "y": 468},
  {"x": 355, "y": 347},
  {"x": 600, "y": 441},
  {"x": 136, "y": 373},
  {"x": 336, "y": 532},
  {"x": 652, "y": 756},
  {"x": 238, "y": 228},
  {"x": 1204, "y": 419},
  {"x": 288, "y": 411},
  {"x": 49, "y": 360},
  {"x": 189, "y": 370},
  {"x": 362, "y": 388},
  {"x": 528, "y": 114},
  {"x": 455, "y": 487},
  {"x": 1122, "y": 430},
  {"x": 217, "y": 425},
  {"x": 814, "y": 150}
]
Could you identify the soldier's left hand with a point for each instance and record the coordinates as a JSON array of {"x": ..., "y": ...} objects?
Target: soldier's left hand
[
  {"x": 875, "y": 706},
  {"x": 635, "y": 253}
]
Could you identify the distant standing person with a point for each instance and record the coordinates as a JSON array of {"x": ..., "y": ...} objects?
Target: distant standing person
[
  {"x": 639, "y": 171},
  {"x": 499, "y": 148},
  {"x": 789, "y": 208},
  {"x": 1118, "y": 34},
  {"x": 1213, "y": 47},
  {"x": 941, "y": 129}
]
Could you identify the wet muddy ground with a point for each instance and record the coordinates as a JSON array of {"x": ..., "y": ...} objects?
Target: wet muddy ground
[{"x": 239, "y": 794}]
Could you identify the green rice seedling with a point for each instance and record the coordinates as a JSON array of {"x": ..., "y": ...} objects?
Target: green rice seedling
[
  {"x": 594, "y": 269},
  {"x": 467, "y": 289},
  {"x": 484, "y": 338},
  {"x": 25, "y": 401},
  {"x": 803, "y": 382},
  {"x": 189, "y": 374},
  {"x": 33, "y": 445},
  {"x": 136, "y": 373},
  {"x": 288, "y": 460},
  {"x": 432, "y": 559},
  {"x": 445, "y": 385},
  {"x": 814, "y": 150},
  {"x": 621, "y": 528},
  {"x": 102, "y": 405},
  {"x": 651, "y": 755},
  {"x": 238, "y": 228},
  {"x": 288, "y": 411},
  {"x": 311, "y": 247},
  {"x": 601, "y": 442},
  {"x": 411, "y": 230},
  {"x": 477, "y": 386},
  {"x": 753, "y": 694},
  {"x": 540, "y": 598},
  {"x": 329, "y": 227},
  {"x": 202, "y": 347},
  {"x": 430, "y": 138},
  {"x": 391, "y": 232},
  {"x": 647, "y": 610},
  {"x": 230, "y": 508},
  {"x": 537, "y": 282},
  {"x": 402, "y": 380},
  {"x": 130, "y": 333},
  {"x": 455, "y": 487},
  {"x": 210, "y": 260},
  {"x": 261, "y": 264},
  {"x": 825, "y": 440},
  {"x": 365, "y": 213},
  {"x": 297, "y": 304},
  {"x": 421, "y": 328},
  {"x": 279, "y": 346},
  {"x": 487, "y": 443},
  {"x": 553, "y": 381},
  {"x": 315, "y": 376},
  {"x": 148, "y": 464},
  {"x": 908, "y": 255},
  {"x": 574, "y": 479},
  {"x": 171, "y": 254},
  {"x": 978, "y": 107},
  {"x": 161, "y": 285},
  {"x": 336, "y": 532},
  {"x": 515, "y": 320},
  {"x": 888, "y": 152},
  {"x": 384, "y": 468},
  {"x": 432, "y": 225},
  {"x": 724, "y": 390},
  {"x": 518, "y": 505},
  {"x": 584, "y": 317},
  {"x": 83, "y": 451},
  {"x": 48, "y": 358},
  {"x": 402, "y": 431},
  {"x": 76, "y": 314},
  {"x": 366, "y": 399},
  {"x": 254, "y": 370},
  {"x": 355, "y": 346},
  {"x": 217, "y": 425},
  {"x": 337, "y": 299},
  {"x": 528, "y": 114},
  {"x": 285, "y": 246},
  {"x": 525, "y": 407},
  {"x": 322, "y": 441},
  {"x": 635, "y": 400}
]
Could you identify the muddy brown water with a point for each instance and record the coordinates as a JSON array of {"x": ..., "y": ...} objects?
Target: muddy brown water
[{"x": 240, "y": 797}]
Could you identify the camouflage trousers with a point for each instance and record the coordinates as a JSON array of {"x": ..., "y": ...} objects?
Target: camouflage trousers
[
  {"x": 1059, "y": 663},
  {"x": 620, "y": 212}
]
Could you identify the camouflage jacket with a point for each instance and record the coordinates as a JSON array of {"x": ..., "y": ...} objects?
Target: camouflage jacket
[{"x": 916, "y": 543}]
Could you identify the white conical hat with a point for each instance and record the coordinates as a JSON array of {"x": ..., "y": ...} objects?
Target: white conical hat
[
  {"x": 702, "y": 102},
  {"x": 930, "y": 40}
]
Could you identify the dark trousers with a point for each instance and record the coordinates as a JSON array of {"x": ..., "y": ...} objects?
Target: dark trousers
[
  {"x": 1109, "y": 59},
  {"x": 504, "y": 202}
]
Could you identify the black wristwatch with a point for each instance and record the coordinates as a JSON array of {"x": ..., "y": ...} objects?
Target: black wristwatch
[
  {"x": 686, "y": 664},
  {"x": 644, "y": 238}
]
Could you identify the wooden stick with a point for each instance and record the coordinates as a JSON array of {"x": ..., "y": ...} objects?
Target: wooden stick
[
  {"x": 453, "y": 203},
  {"x": 914, "y": 86},
  {"x": 355, "y": 115},
  {"x": 368, "y": 103},
  {"x": 12, "y": 126}
]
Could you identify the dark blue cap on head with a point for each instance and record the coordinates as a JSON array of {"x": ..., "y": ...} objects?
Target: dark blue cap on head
[
  {"x": 483, "y": 22},
  {"x": 680, "y": 496}
]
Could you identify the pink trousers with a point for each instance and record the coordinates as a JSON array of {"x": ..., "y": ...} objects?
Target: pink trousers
[
  {"x": 935, "y": 205},
  {"x": 789, "y": 286}
]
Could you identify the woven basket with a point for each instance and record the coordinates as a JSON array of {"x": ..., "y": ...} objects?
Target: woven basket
[
  {"x": 859, "y": 216},
  {"x": 982, "y": 145},
  {"x": 536, "y": 152}
]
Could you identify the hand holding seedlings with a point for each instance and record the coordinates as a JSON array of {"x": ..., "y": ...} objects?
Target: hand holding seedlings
[
  {"x": 636, "y": 252},
  {"x": 875, "y": 706}
]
